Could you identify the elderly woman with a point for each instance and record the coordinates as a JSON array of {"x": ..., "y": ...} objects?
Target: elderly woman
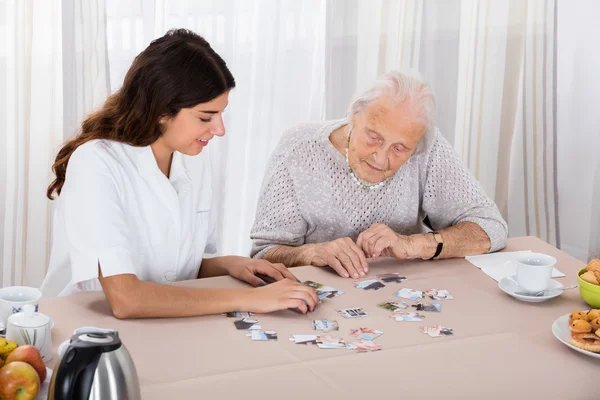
[{"x": 339, "y": 192}]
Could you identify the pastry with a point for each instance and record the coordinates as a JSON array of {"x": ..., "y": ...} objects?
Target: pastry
[
  {"x": 590, "y": 277},
  {"x": 597, "y": 275},
  {"x": 580, "y": 326},
  {"x": 593, "y": 314},
  {"x": 586, "y": 341},
  {"x": 594, "y": 265},
  {"x": 578, "y": 315},
  {"x": 595, "y": 323}
]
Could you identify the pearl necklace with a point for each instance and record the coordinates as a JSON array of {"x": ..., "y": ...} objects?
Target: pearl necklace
[{"x": 362, "y": 185}]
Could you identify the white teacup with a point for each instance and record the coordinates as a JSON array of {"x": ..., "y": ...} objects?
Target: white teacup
[
  {"x": 13, "y": 298},
  {"x": 534, "y": 271}
]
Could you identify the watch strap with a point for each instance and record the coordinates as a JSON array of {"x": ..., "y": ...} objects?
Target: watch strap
[{"x": 440, "y": 244}]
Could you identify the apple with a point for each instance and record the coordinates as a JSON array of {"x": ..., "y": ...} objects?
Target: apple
[
  {"x": 18, "y": 381},
  {"x": 31, "y": 355},
  {"x": 1, "y": 362}
]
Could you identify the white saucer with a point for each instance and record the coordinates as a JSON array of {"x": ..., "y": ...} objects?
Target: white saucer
[
  {"x": 43, "y": 391},
  {"x": 561, "y": 330},
  {"x": 509, "y": 286}
]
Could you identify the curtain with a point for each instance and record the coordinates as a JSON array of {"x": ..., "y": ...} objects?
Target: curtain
[
  {"x": 516, "y": 89},
  {"x": 275, "y": 50},
  {"x": 493, "y": 65},
  {"x": 505, "y": 123},
  {"x": 32, "y": 127},
  {"x": 53, "y": 71},
  {"x": 578, "y": 119}
]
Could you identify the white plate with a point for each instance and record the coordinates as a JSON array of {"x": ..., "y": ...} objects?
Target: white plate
[
  {"x": 509, "y": 286},
  {"x": 561, "y": 330}
]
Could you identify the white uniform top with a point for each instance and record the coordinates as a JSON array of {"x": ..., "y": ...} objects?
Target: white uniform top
[{"x": 118, "y": 209}]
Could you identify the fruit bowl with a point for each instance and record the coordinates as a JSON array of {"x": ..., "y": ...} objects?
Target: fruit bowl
[{"x": 590, "y": 293}]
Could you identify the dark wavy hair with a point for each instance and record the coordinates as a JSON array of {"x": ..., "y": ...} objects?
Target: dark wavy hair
[{"x": 178, "y": 70}]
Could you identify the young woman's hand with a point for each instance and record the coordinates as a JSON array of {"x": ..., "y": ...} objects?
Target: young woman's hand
[
  {"x": 245, "y": 269},
  {"x": 281, "y": 296}
]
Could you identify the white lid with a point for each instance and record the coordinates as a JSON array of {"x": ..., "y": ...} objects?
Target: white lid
[{"x": 28, "y": 318}]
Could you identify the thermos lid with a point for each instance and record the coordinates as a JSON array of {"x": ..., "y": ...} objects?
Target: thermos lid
[{"x": 106, "y": 341}]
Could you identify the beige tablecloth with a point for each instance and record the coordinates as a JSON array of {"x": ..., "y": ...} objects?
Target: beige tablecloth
[{"x": 502, "y": 348}]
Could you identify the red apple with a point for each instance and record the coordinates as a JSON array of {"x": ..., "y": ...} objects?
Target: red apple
[
  {"x": 18, "y": 381},
  {"x": 31, "y": 355}
]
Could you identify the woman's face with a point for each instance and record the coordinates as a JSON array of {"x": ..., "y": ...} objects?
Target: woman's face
[
  {"x": 192, "y": 128},
  {"x": 383, "y": 137}
]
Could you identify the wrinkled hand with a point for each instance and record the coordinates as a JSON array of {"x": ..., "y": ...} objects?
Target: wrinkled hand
[
  {"x": 343, "y": 255},
  {"x": 281, "y": 296},
  {"x": 245, "y": 269},
  {"x": 380, "y": 240}
]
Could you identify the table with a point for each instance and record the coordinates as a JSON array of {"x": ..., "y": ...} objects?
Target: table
[{"x": 502, "y": 348}]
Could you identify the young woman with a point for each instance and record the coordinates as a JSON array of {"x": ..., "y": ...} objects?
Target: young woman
[{"x": 134, "y": 195}]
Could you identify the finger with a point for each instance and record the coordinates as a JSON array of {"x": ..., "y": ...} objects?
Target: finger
[
  {"x": 308, "y": 290},
  {"x": 348, "y": 248},
  {"x": 346, "y": 261},
  {"x": 294, "y": 303},
  {"x": 361, "y": 257},
  {"x": 359, "y": 239},
  {"x": 379, "y": 231},
  {"x": 252, "y": 279},
  {"x": 333, "y": 262},
  {"x": 382, "y": 243},
  {"x": 269, "y": 270},
  {"x": 367, "y": 241},
  {"x": 285, "y": 272},
  {"x": 304, "y": 296},
  {"x": 374, "y": 229},
  {"x": 378, "y": 227},
  {"x": 363, "y": 236}
]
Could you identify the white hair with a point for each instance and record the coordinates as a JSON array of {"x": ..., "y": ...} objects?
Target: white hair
[{"x": 402, "y": 88}]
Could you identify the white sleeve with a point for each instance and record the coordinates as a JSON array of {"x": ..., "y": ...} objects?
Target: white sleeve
[{"x": 95, "y": 222}]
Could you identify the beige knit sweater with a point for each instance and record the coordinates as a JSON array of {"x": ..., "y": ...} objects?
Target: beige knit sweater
[{"x": 307, "y": 195}]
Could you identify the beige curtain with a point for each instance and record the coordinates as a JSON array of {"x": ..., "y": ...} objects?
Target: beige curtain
[
  {"x": 52, "y": 72},
  {"x": 506, "y": 126},
  {"x": 520, "y": 117},
  {"x": 496, "y": 91},
  {"x": 523, "y": 120},
  {"x": 31, "y": 123}
]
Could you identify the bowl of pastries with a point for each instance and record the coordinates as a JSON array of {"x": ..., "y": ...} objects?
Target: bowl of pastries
[
  {"x": 585, "y": 330},
  {"x": 589, "y": 283}
]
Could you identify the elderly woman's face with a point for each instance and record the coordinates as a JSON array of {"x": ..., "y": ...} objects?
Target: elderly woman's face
[{"x": 383, "y": 137}]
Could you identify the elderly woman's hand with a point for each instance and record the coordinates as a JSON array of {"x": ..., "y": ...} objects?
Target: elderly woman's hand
[
  {"x": 343, "y": 255},
  {"x": 381, "y": 240}
]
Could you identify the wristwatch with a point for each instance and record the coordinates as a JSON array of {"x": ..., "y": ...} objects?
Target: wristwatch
[{"x": 440, "y": 244}]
